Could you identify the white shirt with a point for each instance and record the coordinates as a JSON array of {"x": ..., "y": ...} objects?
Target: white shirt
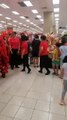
[
  {"x": 64, "y": 66},
  {"x": 63, "y": 50}
]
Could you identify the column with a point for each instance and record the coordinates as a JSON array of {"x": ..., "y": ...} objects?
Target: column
[{"x": 48, "y": 22}]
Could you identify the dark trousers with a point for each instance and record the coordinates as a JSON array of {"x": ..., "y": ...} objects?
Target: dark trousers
[
  {"x": 25, "y": 61},
  {"x": 44, "y": 63},
  {"x": 14, "y": 58}
]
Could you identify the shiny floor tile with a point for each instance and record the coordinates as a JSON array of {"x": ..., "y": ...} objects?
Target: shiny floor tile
[
  {"x": 31, "y": 96},
  {"x": 24, "y": 114},
  {"x": 16, "y": 100},
  {"x": 29, "y": 103},
  {"x": 56, "y": 117},
  {"x": 5, "y": 118},
  {"x": 42, "y": 105},
  {"x": 39, "y": 115},
  {"x": 10, "y": 110}
]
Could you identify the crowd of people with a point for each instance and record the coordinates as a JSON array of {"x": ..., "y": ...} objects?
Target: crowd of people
[{"x": 44, "y": 51}]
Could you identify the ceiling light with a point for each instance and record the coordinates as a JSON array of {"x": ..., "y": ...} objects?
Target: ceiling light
[
  {"x": 56, "y": 15},
  {"x": 41, "y": 20},
  {"x": 28, "y": 20},
  {"x": 35, "y": 11},
  {"x": 56, "y": 22},
  {"x": 22, "y": 17},
  {"x": 0, "y": 14},
  {"x": 56, "y": 9},
  {"x": 14, "y": 25},
  {"x": 4, "y": 6},
  {"x": 20, "y": 23},
  {"x": 31, "y": 23},
  {"x": 14, "y": 12},
  {"x": 56, "y": 2},
  {"x": 28, "y": 3},
  {"x": 3, "y": 22},
  {"x": 9, "y": 23},
  {"x": 34, "y": 24},
  {"x": 38, "y": 16},
  {"x": 56, "y": 19},
  {"x": 8, "y": 18},
  {"x": 15, "y": 21}
]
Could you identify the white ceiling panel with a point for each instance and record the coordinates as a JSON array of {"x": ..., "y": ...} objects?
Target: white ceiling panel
[{"x": 40, "y": 5}]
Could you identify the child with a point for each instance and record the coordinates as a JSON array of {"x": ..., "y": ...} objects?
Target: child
[
  {"x": 55, "y": 60},
  {"x": 64, "y": 75}
]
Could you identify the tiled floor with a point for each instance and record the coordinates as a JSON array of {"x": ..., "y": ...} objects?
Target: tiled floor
[{"x": 31, "y": 96}]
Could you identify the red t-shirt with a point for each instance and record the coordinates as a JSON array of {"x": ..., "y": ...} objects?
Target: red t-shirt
[
  {"x": 44, "y": 48},
  {"x": 24, "y": 48},
  {"x": 14, "y": 43}
]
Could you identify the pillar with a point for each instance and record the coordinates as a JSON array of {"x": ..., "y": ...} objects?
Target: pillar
[{"x": 48, "y": 22}]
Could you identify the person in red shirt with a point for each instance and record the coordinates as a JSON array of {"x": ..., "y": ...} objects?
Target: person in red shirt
[
  {"x": 3, "y": 58},
  {"x": 14, "y": 44},
  {"x": 43, "y": 52},
  {"x": 24, "y": 52}
]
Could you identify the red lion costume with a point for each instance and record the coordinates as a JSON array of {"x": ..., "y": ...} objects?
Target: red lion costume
[{"x": 3, "y": 58}]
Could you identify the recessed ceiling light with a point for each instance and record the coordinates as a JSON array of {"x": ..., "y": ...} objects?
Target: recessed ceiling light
[
  {"x": 9, "y": 23},
  {"x": 14, "y": 25},
  {"x": 38, "y": 16},
  {"x": 3, "y": 22},
  {"x": 41, "y": 20},
  {"x": 4, "y": 6},
  {"x": 31, "y": 23},
  {"x": 14, "y": 12},
  {"x": 0, "y": 14},
  {"x": 34, "y": 24},
  {"x": 56, "y": 15},
  {"x": 28, "y": 20},
  {"x": 20, "y": 23},
  {"x": 8, "y": 18},
  {"x": 35, "y": 11},
  {"x": 15, "y": 21},
  {"x": 28, "y": 3},
  {"x": 56, "y": 9},
  {"x": 56, "y": 2},
  {"x": 56, "y": 19},
  {"x": 22, "y": 17}
]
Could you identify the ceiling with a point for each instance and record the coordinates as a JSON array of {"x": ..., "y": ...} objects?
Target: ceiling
[{"x": 40, "y": 5}]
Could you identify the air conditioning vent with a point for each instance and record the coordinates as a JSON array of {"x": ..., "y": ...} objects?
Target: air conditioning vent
[
  {"x": 36, "y": 18},
  {"x": 26, "y": 17},
  {"x": 22, "y": 4}
]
